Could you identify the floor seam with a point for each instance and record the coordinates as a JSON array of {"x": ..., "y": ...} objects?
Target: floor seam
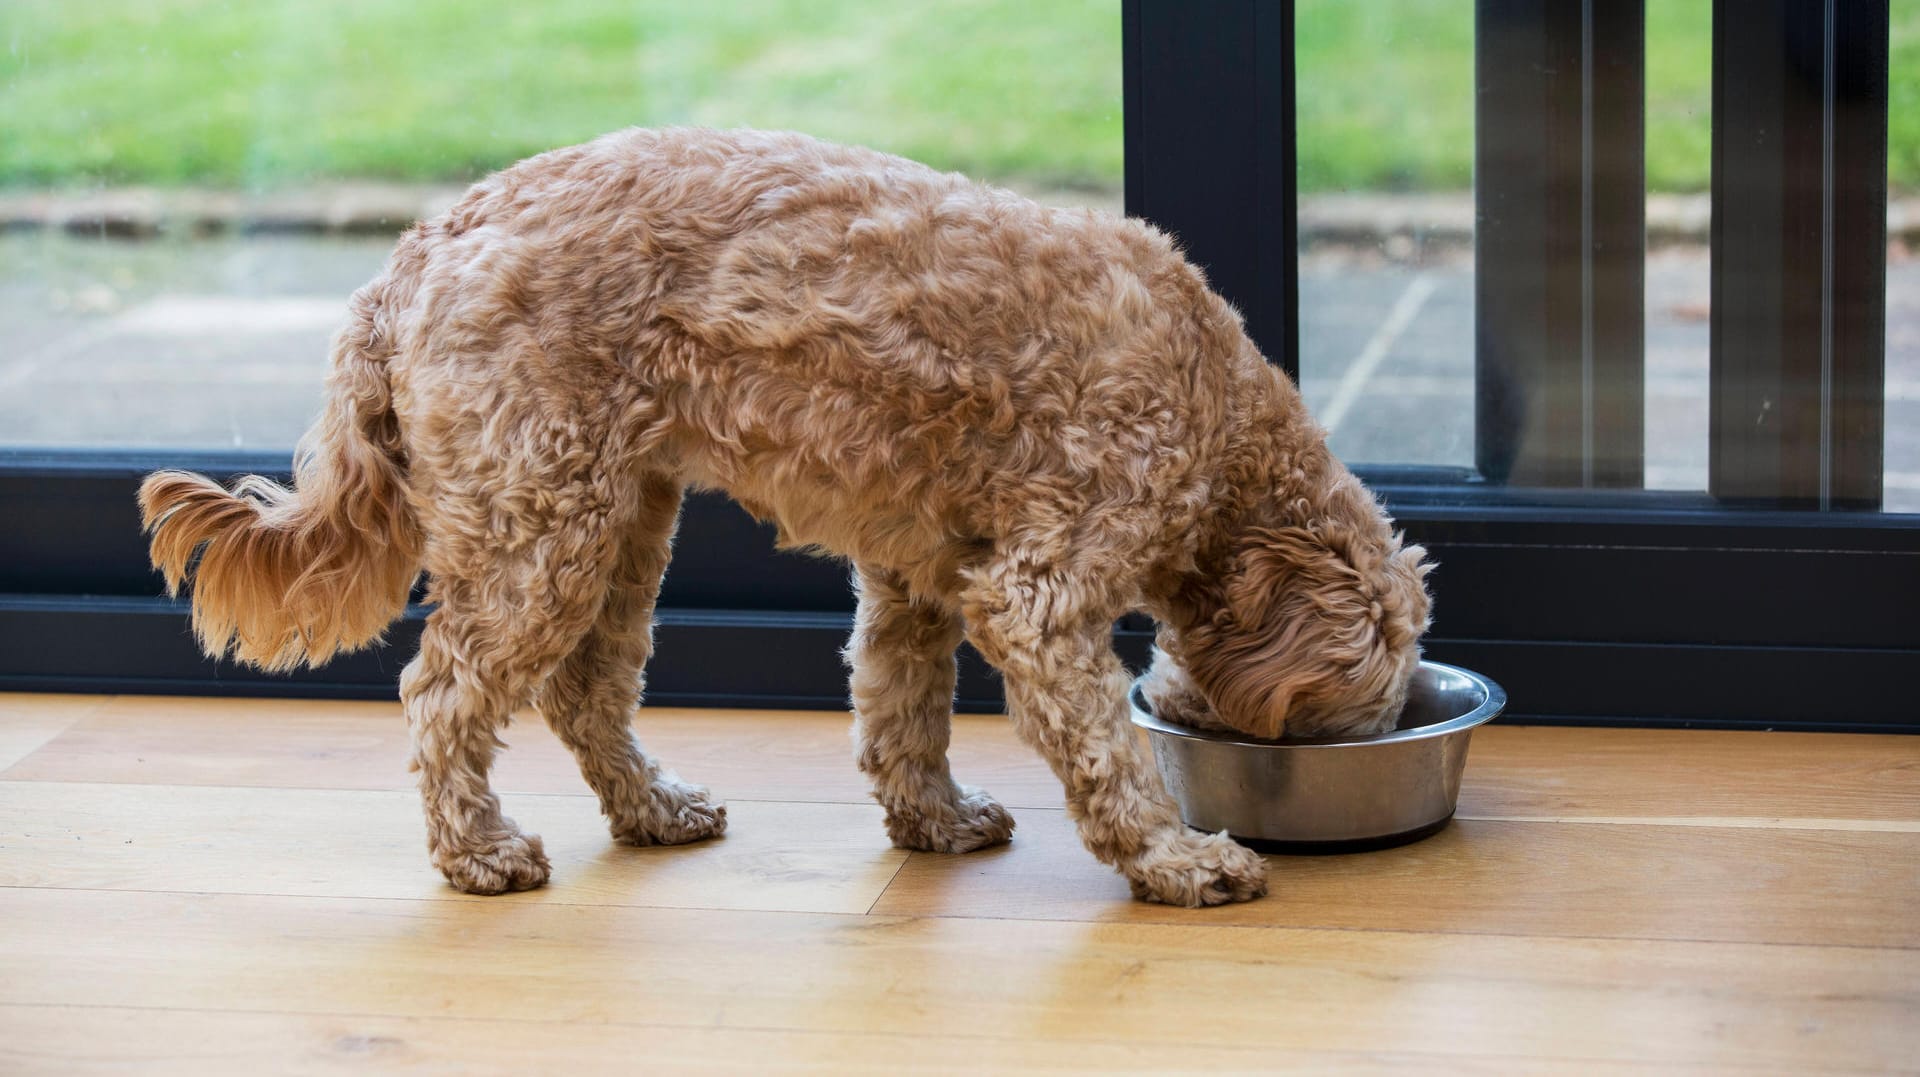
[
  {"x": 614, "y": 1022},
  {"x": 1168, "y": 925},
  {"x": 1752, "y": 822},
  {"x": 881, "y": 896}
]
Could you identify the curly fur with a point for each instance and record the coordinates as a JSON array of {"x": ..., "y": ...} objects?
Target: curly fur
[{"x": 1017, "y": 422}]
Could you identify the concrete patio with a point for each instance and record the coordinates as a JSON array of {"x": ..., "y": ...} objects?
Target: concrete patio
[{"x": 220, "y": 342}]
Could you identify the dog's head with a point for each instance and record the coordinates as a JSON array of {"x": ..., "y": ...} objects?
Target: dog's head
[{"x": 1313, "y": 630}]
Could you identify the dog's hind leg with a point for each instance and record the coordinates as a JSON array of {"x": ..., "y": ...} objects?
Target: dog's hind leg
[
  {"x": 589, "y": 700},
  {"x": 1050, "y": 633},
  {"x": 521, "y": 543},
  {"x": 484, "y": 647},
  {"x": 901, "y": 656}
]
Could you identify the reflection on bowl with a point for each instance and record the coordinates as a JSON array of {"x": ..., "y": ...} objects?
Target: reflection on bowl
[{"x": 1336, "y": 794}]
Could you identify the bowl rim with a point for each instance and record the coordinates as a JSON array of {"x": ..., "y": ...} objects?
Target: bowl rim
[{"x": 1493, "y": 703}]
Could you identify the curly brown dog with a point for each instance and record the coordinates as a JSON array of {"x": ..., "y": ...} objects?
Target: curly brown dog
[{"x": 1017, "y": 422}]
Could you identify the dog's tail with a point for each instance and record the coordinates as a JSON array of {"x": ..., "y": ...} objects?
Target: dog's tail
[{"x": 288, "y": 577}]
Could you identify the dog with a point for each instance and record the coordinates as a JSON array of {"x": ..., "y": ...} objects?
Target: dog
[{"x": 1017, "y": 423}]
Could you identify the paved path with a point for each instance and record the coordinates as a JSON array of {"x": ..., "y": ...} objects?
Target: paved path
[{"x": 222, "y": 343}]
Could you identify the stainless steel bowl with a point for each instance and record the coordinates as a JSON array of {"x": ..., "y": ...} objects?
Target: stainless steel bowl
[{"x": 1333, "y": 795}]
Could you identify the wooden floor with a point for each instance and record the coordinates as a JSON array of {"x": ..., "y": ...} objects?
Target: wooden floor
[{"x": 242, "y": 885}]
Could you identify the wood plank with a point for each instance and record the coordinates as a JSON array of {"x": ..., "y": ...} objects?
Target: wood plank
[
  {"x": 1507, "y": 997},
  {"x": 1851, "y": 888},
  {"x": 802, "y": 857},
  {"x": 1512, "y": 772},
  {"x": 108, "y": 1039},
  {"x": 1891, "y": 826},
  {"x": 1487, "y": 877},
  {"x": 28, "y": 720},
  {"x": 1549, "y": 772},
  {"x": 750, "y": 755}
]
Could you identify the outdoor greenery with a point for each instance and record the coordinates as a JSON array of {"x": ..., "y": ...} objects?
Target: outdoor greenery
[{"x": 264, "y": 93}]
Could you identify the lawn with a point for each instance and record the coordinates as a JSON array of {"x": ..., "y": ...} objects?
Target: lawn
[{"x": 265, "y": 93}]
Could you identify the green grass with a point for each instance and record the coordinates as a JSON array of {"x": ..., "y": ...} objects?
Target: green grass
[
  {"x": 1384, "y": 94},
  {"x": 1903, "y": 96},
  {"x": 268, "y": 92},
  {"x": 265, "y": 93}
]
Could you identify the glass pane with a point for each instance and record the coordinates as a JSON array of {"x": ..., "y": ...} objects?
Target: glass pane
[
  {"x": 1903, "y": 260},
  {"x": 189, "y": 190},
  {"x": 1385, "y": 133},
  {"x": 1390, "y": 261},
  {"x": 1678, "y": 285}
]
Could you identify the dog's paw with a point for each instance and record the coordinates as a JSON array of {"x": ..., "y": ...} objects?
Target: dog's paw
[
  {"x": 1193, "y": 869},
  {"x": 974, "y": 820},
  {"x": 674, "y": 814},
  {"x": 510, "y": 861}
]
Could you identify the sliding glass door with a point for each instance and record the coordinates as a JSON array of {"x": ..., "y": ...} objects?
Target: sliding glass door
[
  {"x": 1600, "y": 297},
  {"x": 1615, "y": 303}
]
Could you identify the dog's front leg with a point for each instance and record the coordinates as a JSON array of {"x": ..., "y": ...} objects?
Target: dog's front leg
[
  {"x": 901, "y": 656},
  {"x": 1066, "y": 690}
]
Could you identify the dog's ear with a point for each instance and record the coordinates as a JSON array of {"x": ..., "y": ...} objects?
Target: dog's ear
[
  {"x": 1171, "y": 693},
  {"x": 1313, "y": 630}
]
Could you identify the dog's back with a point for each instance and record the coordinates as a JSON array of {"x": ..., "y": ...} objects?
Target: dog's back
[{"x": 887, "y": 361}]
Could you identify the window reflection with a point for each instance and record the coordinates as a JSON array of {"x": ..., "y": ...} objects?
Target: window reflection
[{"x": 190, "y": 191}]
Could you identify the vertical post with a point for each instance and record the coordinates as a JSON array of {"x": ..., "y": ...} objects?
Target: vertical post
[
  {"x": 1210, "y": 149},
  {"x": 1560, "y": 237},
  {"x": 1799, "y": 251}
]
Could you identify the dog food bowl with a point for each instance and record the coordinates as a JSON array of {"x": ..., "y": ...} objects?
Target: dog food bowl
[{"x": 1333, "y": 795}]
